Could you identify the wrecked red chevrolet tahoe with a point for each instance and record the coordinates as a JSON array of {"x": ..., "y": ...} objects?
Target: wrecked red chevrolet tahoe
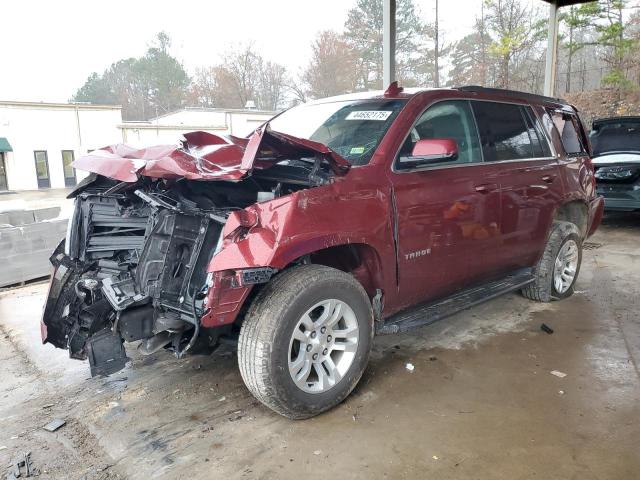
[{"x": 335, "y": 221}]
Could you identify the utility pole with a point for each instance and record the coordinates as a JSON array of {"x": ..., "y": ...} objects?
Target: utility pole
[
  {"x": 552, "y": 51},
  {"x": 388, "y": 42},
  {"x": 436, "y": 77},
  {"x": 483, "y": 49}
]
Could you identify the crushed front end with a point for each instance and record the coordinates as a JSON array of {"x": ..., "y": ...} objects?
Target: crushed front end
[
  {"x": 136, "y": 261},
  {"x": 132, "y": 267}
]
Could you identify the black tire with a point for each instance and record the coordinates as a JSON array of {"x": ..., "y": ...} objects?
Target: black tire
[
  {"x": 263, "y": 346},
  {"x": 542, "y": 289}
]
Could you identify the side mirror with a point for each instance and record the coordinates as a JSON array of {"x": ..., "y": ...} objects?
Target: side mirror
[{"x": 429, "y": 151}]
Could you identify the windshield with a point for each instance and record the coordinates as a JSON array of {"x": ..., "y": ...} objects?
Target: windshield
[
  {"x": 616, "y": 137},
  {"x": 351, "y": 128}
]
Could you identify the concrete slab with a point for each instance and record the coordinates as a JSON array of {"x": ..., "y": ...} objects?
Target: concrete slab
[{"x": 480, "y": 403}]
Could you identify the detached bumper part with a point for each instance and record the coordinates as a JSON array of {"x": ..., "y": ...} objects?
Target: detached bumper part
[{"x": 106, "y": 353}]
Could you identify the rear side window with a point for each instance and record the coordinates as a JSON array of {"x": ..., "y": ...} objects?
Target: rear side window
[
  {"x": 508, "y": 132},
  {"x": 539, "y": 142},
  {"x": 567, "y": 126}
]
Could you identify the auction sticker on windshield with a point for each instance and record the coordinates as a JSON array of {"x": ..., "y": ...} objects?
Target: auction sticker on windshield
[{"x": 380, "y": 115}]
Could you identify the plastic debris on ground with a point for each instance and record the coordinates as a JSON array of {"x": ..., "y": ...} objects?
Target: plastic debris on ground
[
  {"x": 558, "y": 373},
  {"x": 546, "y": 328},
  {"x": 410, "y": 367},
  {"x": 54, "y": 425}
]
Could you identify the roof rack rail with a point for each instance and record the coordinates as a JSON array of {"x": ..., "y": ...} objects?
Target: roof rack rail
[{"x": 511, "y": 93}]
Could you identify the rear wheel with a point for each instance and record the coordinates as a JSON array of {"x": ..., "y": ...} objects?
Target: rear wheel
[
  {"x": 557, "y": 270},
  {"x": 305, "y": 340}
]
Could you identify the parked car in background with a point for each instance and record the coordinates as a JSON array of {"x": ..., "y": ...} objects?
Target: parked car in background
[
  {"x": 342, "y": 218},
  {"x": 616, "y": 156}
]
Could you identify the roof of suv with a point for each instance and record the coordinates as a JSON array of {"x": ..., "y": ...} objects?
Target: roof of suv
[{"x": 398, "y": 92}]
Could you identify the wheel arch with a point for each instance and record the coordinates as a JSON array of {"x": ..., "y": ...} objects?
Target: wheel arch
[
  {"x": 576, "y": 212},
  {"x": 359, "y": 259}
]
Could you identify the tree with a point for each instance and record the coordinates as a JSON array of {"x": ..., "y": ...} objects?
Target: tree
[
  {"x": 164, "y": 77},
  {"x": 243, "y": 76},
  {"x": 213, "y": 87},
  {"x": 514, "y": 28},
  {"x": 612, "y": 36},
  {"x": 469, "y": 62},
  {"x": 272, "y": 85},
  {"x": 332, "y": 67},
  {"x": 253, "y": 78},
  {"x": 155, "y": 83},
  {"x": 363, "y": 32},
  {"x": 575, "y": 19}
]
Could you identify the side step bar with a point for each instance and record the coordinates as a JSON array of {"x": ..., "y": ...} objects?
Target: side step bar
[{"x": 431, "y": 312}]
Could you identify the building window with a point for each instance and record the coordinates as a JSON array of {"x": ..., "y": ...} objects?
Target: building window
[
  {"x": 69, "y": 171},
  {"x": 42, "y": 169},
  {"x": 3, "y": 173}
]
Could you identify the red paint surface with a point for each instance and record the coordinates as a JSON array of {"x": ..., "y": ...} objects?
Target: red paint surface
[
  {"x": 478, "y": 222},
  {"x": 421, "y": 234}
]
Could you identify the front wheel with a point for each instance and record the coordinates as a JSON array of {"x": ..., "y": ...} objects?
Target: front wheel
[
  {"x": 557, "y": 270},
  {"x": 305, "y": 340}
]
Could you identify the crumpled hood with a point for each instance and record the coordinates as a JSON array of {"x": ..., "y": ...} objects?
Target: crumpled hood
[{"x": 205, "y": 156}]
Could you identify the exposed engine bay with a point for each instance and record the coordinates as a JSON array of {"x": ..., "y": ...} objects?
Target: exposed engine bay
[{"x": 133, "y": 266}]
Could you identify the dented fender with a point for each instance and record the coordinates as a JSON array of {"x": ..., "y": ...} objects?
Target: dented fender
[{"x": 278, "y": 232}]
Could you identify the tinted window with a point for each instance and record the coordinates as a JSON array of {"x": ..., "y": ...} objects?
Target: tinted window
[
  {"x": 538, "y": 140},
  {"x": 504, "y": 133},
  {"x": 452, "y": 120},
  {"x": 567, "y": 126}
]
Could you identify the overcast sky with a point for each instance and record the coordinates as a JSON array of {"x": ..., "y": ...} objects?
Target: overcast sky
[{"x": 49, "y": 48}]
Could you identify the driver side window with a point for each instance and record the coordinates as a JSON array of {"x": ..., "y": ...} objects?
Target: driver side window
[{"x": 451, "y": 119}]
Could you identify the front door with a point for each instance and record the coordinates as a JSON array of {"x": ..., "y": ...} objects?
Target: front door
[
  {"x": 448, "y": 214},
  {"x": 67, "y": 167},
  {"x": 42, "y": 169},
  {"x": 3, "y": 173}
]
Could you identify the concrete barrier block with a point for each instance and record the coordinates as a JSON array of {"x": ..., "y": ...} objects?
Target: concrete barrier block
[
  {"x": 26, "y": 250},
  {"x": 21, "y": 217},
  {"x": 46, "y": 213}
]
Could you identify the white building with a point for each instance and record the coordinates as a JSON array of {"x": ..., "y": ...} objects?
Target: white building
[
  {"x": 38, "y": 141},
  {"x": 168, "y": 128}
]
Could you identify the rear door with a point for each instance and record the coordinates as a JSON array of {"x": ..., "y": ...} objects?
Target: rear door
[
  {"x": 530, "y": 185},
  {"x": 447, "y": 214}
]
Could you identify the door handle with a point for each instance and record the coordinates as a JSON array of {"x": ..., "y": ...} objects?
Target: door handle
[
  {"x": 548, "y": 178},
  {"x": 486, "y": 188}
]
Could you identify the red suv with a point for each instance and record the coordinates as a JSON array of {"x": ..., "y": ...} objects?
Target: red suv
[{"x": 337, "y": 220}]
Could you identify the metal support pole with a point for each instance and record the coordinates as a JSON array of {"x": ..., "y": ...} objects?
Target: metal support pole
[
  {"x": 388, "y": 42},
  {"x": 552, "y": 51}
]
